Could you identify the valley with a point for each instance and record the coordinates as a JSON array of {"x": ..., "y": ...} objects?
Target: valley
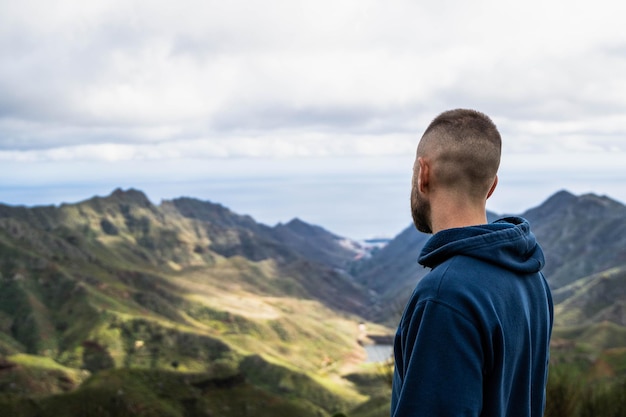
[{"x": 116, "y": 306}]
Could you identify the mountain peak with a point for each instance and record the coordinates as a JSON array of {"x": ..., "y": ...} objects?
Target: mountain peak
[
  {"x": 296, "y": 222},
  {"x": 560, "y": 198},
  {"x": 601, "y": 200},
  {"x": 557, "y": 203},
  {"x": 301, "y": 227},
  {"x": 212, "y": 213},
  {"x": 590, "y": 203},
  {"x": 131, "y": 195}
]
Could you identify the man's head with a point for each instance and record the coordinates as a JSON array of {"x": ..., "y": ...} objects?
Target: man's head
[{"x": 458, "y": 156}]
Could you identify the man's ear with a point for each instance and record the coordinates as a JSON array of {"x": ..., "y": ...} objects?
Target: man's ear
[
  {"x": 423, "y": 175},
  {"x": 493, "y": 186}
]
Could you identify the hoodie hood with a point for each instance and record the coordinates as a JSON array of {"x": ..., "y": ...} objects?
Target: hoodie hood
[{"x": 506, "y": 242}]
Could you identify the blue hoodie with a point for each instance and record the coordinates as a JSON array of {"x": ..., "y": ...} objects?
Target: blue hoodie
[{"x": 474, "y": 337}]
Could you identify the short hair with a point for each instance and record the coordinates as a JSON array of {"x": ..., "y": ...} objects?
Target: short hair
[{"x": 465, "y": 147}]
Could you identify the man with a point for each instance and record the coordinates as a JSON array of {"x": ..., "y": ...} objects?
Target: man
[{"x": 474, "y": 337}]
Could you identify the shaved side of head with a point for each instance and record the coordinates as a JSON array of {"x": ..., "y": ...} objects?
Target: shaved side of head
[{"x": 464, "y": 147}]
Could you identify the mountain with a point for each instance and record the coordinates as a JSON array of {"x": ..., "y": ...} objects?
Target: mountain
[
  {"x": 392, "y": 273},
  {"x": 288, "y": 242},
  {"x": 592, "y": 300},
  {"x": 188, "y": 309},
  {"x": 186, "y": 286},
  {"x": 584, "y": 242},
  {"x": 317, "y": 243},
  {"x": 580, "y": 236}
]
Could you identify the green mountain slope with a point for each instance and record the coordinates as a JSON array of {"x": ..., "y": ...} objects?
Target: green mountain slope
[
  {"x": 186, "y": 287},
  {"x": 594, "y": 299},
  {"x": 581, "y": 235},
  {"x": 584, "y": 241},
  {"x": 392, "y": 273}
]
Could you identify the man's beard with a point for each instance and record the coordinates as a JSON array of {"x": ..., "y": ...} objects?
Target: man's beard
[{"x": 420, "y": 210}]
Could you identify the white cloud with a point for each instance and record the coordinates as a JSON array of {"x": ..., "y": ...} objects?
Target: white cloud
[
  {"x": 280, "y": 145},
  {"x": 113, "y": 80}
]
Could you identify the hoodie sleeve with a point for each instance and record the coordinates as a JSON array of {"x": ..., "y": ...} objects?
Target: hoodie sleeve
[{"x": 439, "y": 363}]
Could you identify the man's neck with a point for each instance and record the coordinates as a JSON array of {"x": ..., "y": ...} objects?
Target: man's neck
[{"x": 451, "y": 213}]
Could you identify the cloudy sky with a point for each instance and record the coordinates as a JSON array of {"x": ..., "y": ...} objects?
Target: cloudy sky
[{"x": 285, "y": 108}]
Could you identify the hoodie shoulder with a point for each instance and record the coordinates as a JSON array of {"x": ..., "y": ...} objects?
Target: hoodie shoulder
[{"x": 507, "y": 242}]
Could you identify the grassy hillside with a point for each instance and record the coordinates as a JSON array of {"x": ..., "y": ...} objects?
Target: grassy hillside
[
  {"x": 115, "y": 306},
  {"x": 583, "y": 241},
  {"x": 581, "y": 235},
  {"x": 146, "y": 393},
  {"x": 128, "y": 292}
]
